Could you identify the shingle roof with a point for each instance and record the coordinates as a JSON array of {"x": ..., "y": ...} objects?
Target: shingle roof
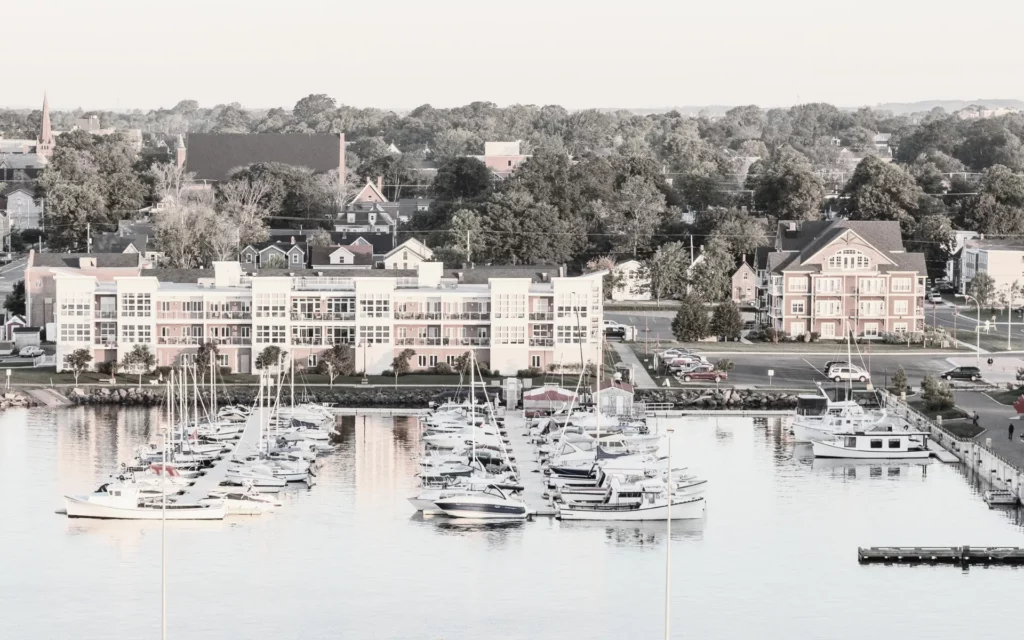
[
  {"x": 482, "y": 274},
  {"x": 103, "y": 260},
  {"x": 381, "y": 242},
  {"x": 361, "y": 254},
  {"x": 109, "y": 242},
  {"x": 812, "y": 237},
  {"x": 212, "y": 156},
  {"x": 761, "y": 257}
]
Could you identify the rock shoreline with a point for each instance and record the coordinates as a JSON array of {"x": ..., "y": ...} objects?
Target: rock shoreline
[
  {"x": 385, "y": 397},
  {"x": 16, "y": 400}
]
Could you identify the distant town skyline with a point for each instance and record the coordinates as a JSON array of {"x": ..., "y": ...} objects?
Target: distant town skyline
[{"x": 116, "y": 54}]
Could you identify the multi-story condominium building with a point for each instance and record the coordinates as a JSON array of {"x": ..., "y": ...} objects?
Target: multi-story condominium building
[
  {"x": 832, "y": 277},
  {"x": 514, "y": 318},
  {"x": 1000, "y": 258}
]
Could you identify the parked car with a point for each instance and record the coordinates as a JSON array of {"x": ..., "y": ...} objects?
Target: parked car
[
  {"x": 846, "y": 371},
  {"x": 613, "y": 329},
  {"x": 30, "y": 352},
  {"x": 935, "y": 297},
  {"x": 963, "y": 373},
  {"x": 682, "y": 365},
  {"x": 704, "y": 372},
  {"x": 832, "y": 363}
]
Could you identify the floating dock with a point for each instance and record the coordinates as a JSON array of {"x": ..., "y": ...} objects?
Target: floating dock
[
  {"x": 530, "y": 475},
  {"x": 941, "y": 555}
]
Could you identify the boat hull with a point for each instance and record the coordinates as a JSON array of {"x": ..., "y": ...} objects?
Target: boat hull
[
  {"x": 690, "y": 509},
  {"x": 79, "y": 508},
  {"x": 503, "y": 510},
  {"x": 824, "y": 449}
]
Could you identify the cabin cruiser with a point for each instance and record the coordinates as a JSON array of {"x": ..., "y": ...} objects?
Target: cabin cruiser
[
  {"x": 682, "y": 485},
  {"x": 122, "y": 500},
  {"x": 622, "y": 503},
  {"x": 876, "y": 445},
  {"x": 248, "y": 502},
  {"x": 491, "y": 503}
]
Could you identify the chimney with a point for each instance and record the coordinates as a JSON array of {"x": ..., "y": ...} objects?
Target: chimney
[
  {"x": 87, "y": 263},
  {"x": 544, "y": 276},
  {"x": 459, "y": 275},
  {"x": 380, "y": 184},
  {"x": 293, "y": 239},
  {"x": 563, "y": 270},
  {"x": 744, "y": 258},
  {"x": 792, "y": 226}
]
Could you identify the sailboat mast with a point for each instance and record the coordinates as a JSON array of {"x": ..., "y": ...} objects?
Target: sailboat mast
[
  {"x": 213, "y": 391},
  {"x": 163, "y": 516},
  {"x": 597, "y": 393},
  {"x": 472, "y": 404}
]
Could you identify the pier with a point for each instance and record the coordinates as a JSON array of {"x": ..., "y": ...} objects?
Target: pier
[
  {"x": 530, "y": 475},
  {"x": 941, "y": 555}
]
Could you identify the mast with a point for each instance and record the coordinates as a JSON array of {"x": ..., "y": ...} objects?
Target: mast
[
  {"x": 213, "y": 391},
  {"x": 668, "y": 541},
  {"x": 472, "y": 405},
  {"x": 597, "y": 393},
  {"x": 163, "y": 517},
  {"x": 292, "y": 388},
  {"x": 195, "y": 393}
]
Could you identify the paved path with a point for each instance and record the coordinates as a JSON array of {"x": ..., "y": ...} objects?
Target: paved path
[
  {"x": 643, "y": 379},
  {"x": 995, "y": 418}
]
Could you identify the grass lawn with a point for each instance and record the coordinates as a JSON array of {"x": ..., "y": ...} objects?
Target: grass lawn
[
  {"x": 994, "y": 315},
  {"x": 791, "y": 347},
  {"x": 961, "y": 428},
  {"x": 947, "y": 414},
  {"x": 995, "y": 340},
  {"x": 1004, "y": 396}
]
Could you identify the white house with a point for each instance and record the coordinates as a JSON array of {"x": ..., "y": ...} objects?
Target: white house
[
  {"x": 408, "y": 255},
  {"x": 354, "y": 256},
  {"x": 23, "y": 211},
  {"x": 631, "y": 281}
]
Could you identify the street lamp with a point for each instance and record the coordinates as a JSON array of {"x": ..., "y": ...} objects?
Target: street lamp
[{"x": 977, "y": 326}]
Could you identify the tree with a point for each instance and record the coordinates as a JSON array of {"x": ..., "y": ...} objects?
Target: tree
[
  {"x": 983, "y": 288},
  {"x": 313, "y": 105},
  {"x": 634, "y": 214},
  {"x": 523, "y": 231},
  {"x": 400, "y": 363},
  {"x": 668, "y": 269},
  {"x": 691, "y": 321},
  {"x": 936, "y": 394},
  {"x": 170, "y": 181},
  {"x": 786, "y": 187},
  {"x": 247, "y": 198},
  {"x": 319, "y": 238},
  {"x": 339, "y": 360},
  {"x": 882, "y": 191},
  {"x": 275, "y": 261},
  {"x": 726, "y": 320},
  {"x": 206, "y": 353},
  {"x": 933, "y": 235},
  {"x": 467, "y": 236},
  {"x": 899, "y": 380},
  {"x": 710, "y": 279},
  {"x": 741, "y": 232},
  {"x": 139, "y": 358},
  {"x": 611, "y": 280},
  {"x": 998, "y": 208},
  {"x": 15, "y": 300},
  {"x": 461, "y": 178},
  {"x": 79, "y": 360},
  {"x": 271, "y": 356}
]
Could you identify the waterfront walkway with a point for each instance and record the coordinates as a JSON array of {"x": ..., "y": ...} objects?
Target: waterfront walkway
[
  {"x": 529, "y": 466},
  {"x": 995, "y": 418},
  {"x": 643, "y": 379}
]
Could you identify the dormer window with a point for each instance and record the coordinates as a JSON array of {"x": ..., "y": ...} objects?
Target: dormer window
[
  {"x": 372, "y": 217},
  {"x": 849, "y": 260},
  {"x": 351, "y": 218}
]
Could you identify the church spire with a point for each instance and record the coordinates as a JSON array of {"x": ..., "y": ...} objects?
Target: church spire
[{"x": 46, "y": 135}]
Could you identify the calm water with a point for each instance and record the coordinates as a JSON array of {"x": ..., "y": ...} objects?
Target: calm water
[{"x": 776, "y": 557}]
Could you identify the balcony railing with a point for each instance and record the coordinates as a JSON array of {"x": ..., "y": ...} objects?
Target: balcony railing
[
  {"x": 307, "y": 340},
  {"x": 104, "y": 313},
  {"x": 179, "y": 315},
  {"x": 179, "y": 340},
  {"x": 229, "y": 315},
  {"x": 542, "y": 342},
  {"x": 775, "y": 289},
  {"x": 228, "y": 340},
  {"x": 468, "y": 315},
  {"x": 330, "y": 316},
  {"x": 544, "y": 316},
  {"x": 109, "y": 341},
  {"x": 417, "y": 315},
  {"x": 443, "y": 342}
]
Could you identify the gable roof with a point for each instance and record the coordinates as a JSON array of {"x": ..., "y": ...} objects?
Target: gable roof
[
  {"x": 103, "y": 260},
  {"x": 110, "y": 242},
  {"x": 482, "y": 274},
  {"x": 361, "y": 215},
  {"x": 368, "y": 189},
  {"x": 212, "y": 156},
  {"x": 414, "y": 245},
  {"x": 382, "y": 242},
  {"x": 361, "y": 254},
  {"x": 809, "y": 238}
]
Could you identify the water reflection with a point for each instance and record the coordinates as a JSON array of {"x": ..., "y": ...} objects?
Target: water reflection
[{"x": 649, "y": 535}]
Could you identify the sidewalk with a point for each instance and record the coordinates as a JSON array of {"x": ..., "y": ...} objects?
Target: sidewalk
[
  {"x": 643, "y": 379},
  {"x": 995, "y": 418}
]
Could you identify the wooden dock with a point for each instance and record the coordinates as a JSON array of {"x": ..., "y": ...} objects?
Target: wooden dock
[
  {"x": 529, "y": 465},
  {"x": 941, "y": 555}
]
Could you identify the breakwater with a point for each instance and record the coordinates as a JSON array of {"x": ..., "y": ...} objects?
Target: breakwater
[{"x": 723, "y": 398}]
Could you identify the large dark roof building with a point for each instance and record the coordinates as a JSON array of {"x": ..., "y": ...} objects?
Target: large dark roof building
[{"x": 213, "y": 156}]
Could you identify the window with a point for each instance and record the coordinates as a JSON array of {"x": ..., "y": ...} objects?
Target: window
[
  {"x": 340, "y": 335},
  {"x": 876, "y": 443},
  {"x": 450, "y": 359},
  {"x": 828, "y": 329},
  {"x": 798, "y": 283},
  {"x": 270, "y": 305},
  {"x": 571, "y": 304},
  {"x": 306, "y": 335},
  {"x": 296, "y": 257},
  {"x": 74, "y": 333},
  {"x": 798, "y": 307},
  {"x": 850, "y": 442},
  {"x": 745, "y": 274},
  {"x": 849, "y": 259},
  {"x": 510, "y": 305},
  {"x": 827, "y": 308},
  {"x": 870, "y": 329},
  {"x": 899, "y": 327},
  {"x": 136, "y": 305},
  {"x": 341, "y": 305},
  {"x": 871, "y": 286},
  {"x": 375, "y": 305},
  {"x": 571, "y": 335},
  {"x": 899, "y": 307},
  {"x": 894, "y": 443},
  {"x": 902, "y": 285},
  {"x": 375, "y": 335},
  {"x": 423, "y": 361},
  {"x": 270, "y": 334},
  {"x": 535, "y": 362},
  {"x": 872, "y": 307},
  {"x": 76, "y": 305},
  {"x": 311, "y": 360},
  {"x": 828, "y": 285},
  {"x": 136, "y": 333},
  {"x": 510, "y": 335},
  {"x": 192, "y": 306}
]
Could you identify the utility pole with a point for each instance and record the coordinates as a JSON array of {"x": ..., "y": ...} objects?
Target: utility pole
[{"x": 88, "y": 237}]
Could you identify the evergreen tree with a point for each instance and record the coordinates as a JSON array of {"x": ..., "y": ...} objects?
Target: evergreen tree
[{"x": 691, "y": 321}]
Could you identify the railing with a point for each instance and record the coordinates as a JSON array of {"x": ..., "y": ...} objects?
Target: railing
[
  {"x": 325, "y": 316},
  {"x": 100, "y": 313},
  {"x": 106, "y": 340},
  {"x": 443, "y": 342},
  {"x": 542, "y": 342},
  {"x": 44, "y": 361},
  {"x": 270, "y": 314},
  {"x": 467, "y": 315},
  {"x": 229, "y": 315},
  {"x": 231, "y": 340},
  {"x": 179, "y": 340},
  {"x": 542, "y": 317},
  {"x": 775, "y": 289},
  {"x": 322, "y": 283},
  {"x": 179, "y": 315},
  {"x": 307, "y": 340},
  {"x": 417, "y": 315}
]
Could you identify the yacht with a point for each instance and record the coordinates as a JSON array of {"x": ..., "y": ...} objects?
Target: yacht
[
  {"x": 623, "y": 504},
  {"x": 122, "y": 501},
  {"x": 875, "y": 445},
  {"x": 491, "y": 503}
]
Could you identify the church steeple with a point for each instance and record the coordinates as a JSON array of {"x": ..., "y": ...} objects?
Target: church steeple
[{"x": 44, "y": 146}]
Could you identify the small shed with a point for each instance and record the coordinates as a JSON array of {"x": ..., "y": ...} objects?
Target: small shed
[
  {"x": 547, "y": 399},
  {"x": 13, "y": 322},
  {"x": 616, "y": 396},
  {"x": 27, "y": 337}
]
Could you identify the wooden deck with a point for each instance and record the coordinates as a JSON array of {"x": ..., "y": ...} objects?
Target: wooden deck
[
  {"x": 941, "y": 555},
  {"x": 529, "y": 466}
]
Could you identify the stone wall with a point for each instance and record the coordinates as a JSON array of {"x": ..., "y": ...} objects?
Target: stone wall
[{"x": 725, "y": 398}]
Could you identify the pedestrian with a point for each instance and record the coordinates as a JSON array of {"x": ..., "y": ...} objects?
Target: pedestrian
[
  {"x": 1011, "y": 431},
  {"x": 975, "y": 418}
]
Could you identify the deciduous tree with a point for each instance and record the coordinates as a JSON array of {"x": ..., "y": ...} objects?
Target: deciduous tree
[
  {"x": 271, "y": 356},
  {"x": 691, "y": 321},
  {"x": 726, "y": 320},
  {"x": 983, "y": 288},
  {"x": 79, "y": 360},
  {"x": 139, "y": 358},
  {"x": 668, "y": 269},
  {"x": 882, "y": 191},
  {"x": 339, "y": 360},
  {"x": 786, "y": 187},
  {"x": 711, "y": 277},
  {"x": 15, "y": 300}
]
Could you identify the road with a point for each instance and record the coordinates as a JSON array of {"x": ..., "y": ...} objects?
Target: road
[{"x": 11, "y": 273}]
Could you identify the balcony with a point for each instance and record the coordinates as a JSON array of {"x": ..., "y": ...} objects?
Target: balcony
[
  {"x": 105, "y": 313},
  {"x": 417, "y": 315},
  {"x": 775, "y": 290},
  {"x": 106, "y": 341},
  {"x": 325, "y": 316},
  {"x": 179, "y": 315},
  {"x": 542, "y": 342},
  {"x": 443, "y": 342},
  {"x": 231, "y": 340},
  {"x": 229, "y": 315},
  {"x": 468, "y": 315},
  {"x": 543, "y": 316},
  {"x": 179, "y": 340},
  {"x": 307, "y": 341}
]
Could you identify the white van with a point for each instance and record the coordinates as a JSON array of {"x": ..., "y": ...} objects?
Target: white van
[{"x": 843, "y": 372}]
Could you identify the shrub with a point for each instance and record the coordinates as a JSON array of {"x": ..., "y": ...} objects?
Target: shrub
[
  {"x": 899, "y": 380},
  {"x": 107, "y": 368},
  {"x": 814, "y": 336},
  {"x": 937, "y": 395},
  {"x": 443, "y": 368},
  {"x": 532, "y": 372},
  {"x": 162, "y": 371},
  {"x": 725, "y": 365},
  {"x": 691, "y": 322},
  {"x": 387, "y": 372}
]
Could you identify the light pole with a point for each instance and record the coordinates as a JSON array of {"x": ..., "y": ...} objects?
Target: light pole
[
  {"x": 1009, "y": 316},
  {"x": 977, "y": 327}
]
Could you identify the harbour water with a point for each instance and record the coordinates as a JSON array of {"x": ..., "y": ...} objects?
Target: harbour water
[{"x": 775, "y": 558}]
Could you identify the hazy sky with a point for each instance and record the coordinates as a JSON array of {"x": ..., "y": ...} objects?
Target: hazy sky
[{"x": 401, "y": 53}]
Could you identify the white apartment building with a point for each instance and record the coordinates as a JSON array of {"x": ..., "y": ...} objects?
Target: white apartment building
[
  {"x": 1002, "y": 259},
  {"x": 512, "y": 323}
]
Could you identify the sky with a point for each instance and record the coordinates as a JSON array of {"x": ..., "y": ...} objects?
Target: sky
[{"x": 121, "y": 54}]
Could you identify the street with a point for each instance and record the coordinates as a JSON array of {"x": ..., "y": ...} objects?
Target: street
[{"x": 11, "y": 273}]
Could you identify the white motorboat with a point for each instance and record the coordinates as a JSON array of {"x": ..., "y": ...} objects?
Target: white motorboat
[
  {"x": 489, "y": 504},
  {"x": 874, "y": 445},
  {"x": 623, "y": 505},
  {"x": 248, "y": 502},
  {"x": 122, "y": 501},
  {"x": 259, "y": 477}
]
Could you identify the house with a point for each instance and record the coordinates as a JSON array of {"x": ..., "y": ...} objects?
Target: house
[
  {"x": 1000, "y": 258},
  {"x": 214, "y": 156},
  {"x": 23, "y": 210},
  {"x": 548, "y": 399},
  {"x": 831, "y": 277},
  {"x": 42, "y": 268},
  {"x": 365, "y": 218},
  {"x": 502, "y": 158},
  {"x": 290, "y": 254},
  {"x": 744, "y": 284},
  {"x": 408, "y": 255},
  {"x": 616, "y": 397},
  {"x": 115, "y": 242},
  {"x": 631, "y": 281},
  {"x": 339, "y": 257},
  {"x": 13, "y": 322},
  {"x": 370, "y": 193},
  {"x": 18, "y": 167}
]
